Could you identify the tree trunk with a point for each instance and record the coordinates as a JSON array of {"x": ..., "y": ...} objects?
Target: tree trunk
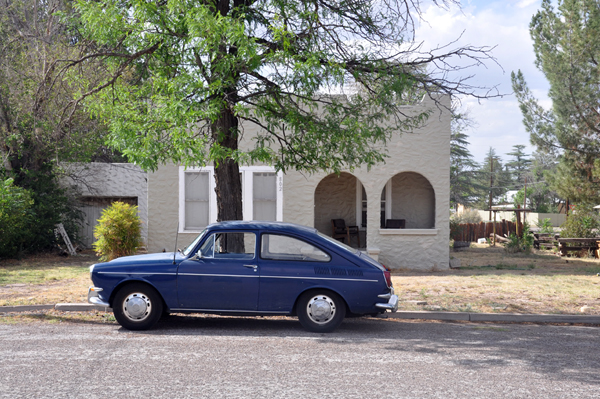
[{"x": 228, "y": 184}]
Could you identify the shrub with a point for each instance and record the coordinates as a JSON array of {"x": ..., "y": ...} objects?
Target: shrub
[
  {"x": 545, "y": 226},
  {"x": 468, "y": 216},
  {"x": 520, "y": 244},
  {"x": 15, "y": 218},
  {"x": 582, "y": 222},
  {"x": 118, "y": 232}
]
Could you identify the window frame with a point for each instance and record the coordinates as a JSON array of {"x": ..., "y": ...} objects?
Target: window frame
[{"x": 247, "y": 174}]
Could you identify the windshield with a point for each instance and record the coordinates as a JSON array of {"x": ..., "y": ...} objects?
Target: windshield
[
  {"x": 338, "y": 243},
  {"x": 190, "y": 247}
]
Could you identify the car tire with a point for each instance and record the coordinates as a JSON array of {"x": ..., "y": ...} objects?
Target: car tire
[
  {"x": 320, "y": 311},
  {"x": 137, "y": 306}
]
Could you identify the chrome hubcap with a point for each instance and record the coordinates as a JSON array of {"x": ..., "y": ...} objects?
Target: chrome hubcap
[
  {"x": 137, "y": 306},
  {"x": 321, "y": 309}
]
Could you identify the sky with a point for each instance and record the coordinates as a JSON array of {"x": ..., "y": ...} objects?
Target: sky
[{"x": 505, "y": 25}]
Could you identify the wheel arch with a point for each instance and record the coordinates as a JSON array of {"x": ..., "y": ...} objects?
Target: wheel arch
[
  {"x": 125, "y": 283},
  {"x": 320, "y": 289}
]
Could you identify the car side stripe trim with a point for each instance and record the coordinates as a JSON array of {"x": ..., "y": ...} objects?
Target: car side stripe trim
[
  {"x": 322, "y": 278},
  {"x": 216, "y": 275},
  {"x": 231, "y": 311},
  {"x": 143, "y": 274}
]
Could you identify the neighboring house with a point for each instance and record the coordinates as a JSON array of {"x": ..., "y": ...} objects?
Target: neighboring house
[
  {"x": 412, "y": 185},
  {"x": 101, "y": 184}
]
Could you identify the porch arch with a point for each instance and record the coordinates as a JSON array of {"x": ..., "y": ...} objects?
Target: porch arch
[
  {"x": 340, "y": 197},
  {"x": 409, "y": 196}
]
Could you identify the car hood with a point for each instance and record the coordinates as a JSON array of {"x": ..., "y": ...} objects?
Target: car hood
[{"x": 146, "y": 259}]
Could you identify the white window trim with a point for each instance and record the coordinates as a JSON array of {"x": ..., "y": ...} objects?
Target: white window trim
[{"x": 247, "y": 185}]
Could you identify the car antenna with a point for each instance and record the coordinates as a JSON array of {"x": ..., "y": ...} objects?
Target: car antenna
[{"x": 176, "y": 236}]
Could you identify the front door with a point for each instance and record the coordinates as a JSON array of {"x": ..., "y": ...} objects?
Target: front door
[{"x": 224, "y": 276}]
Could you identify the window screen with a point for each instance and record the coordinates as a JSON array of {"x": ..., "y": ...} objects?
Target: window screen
[
  {"x": 197, "y": 205},
  {"x": 264, "y": 196}
]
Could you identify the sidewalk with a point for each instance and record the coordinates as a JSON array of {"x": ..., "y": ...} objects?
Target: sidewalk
[{"x": 422, "y": 315}]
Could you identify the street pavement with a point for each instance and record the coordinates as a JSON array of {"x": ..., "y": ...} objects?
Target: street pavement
[{"x": 242, "y": 357}]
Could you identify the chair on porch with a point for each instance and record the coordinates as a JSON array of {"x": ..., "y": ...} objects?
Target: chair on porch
[{"x": 340, "y": 230}]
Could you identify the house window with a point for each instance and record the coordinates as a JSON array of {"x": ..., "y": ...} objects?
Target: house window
[{"x": 262, "y": 196}]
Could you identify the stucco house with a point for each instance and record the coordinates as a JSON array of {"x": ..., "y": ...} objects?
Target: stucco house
[{"x": 412, "y": 185}]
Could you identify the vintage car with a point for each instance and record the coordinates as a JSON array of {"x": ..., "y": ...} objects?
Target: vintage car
[{"x": 247, "y": 268}]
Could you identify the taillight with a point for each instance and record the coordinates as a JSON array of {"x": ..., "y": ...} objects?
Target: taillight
[{"x": 388, "y": 276}]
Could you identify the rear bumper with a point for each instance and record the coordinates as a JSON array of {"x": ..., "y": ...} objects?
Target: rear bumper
[
  {"x": 93, "y": 296},
  {"x": 391, "y": 304}
]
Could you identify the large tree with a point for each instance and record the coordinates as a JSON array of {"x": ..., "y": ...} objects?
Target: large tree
[
  {"x": 567, "y": 49},
  {"x": 464, "y": 185},
  {"x": 186, "y": 77},
  {"x": 38, "y": 122},
  {"x": 520, "y": 164}
]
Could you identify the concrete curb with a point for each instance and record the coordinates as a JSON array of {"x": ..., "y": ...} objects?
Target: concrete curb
[
  {"x": 24, "y": 308},
  {"x": 415, "y": 315},
  {"x": 496, "y": 317}
]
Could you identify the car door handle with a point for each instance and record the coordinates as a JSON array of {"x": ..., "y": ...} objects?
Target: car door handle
[{"x": 252, "y": 266}]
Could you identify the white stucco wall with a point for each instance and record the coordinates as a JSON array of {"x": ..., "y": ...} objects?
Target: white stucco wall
[
  {"x": 425, "y": 151},
  {"x": 97, "y": 179}
]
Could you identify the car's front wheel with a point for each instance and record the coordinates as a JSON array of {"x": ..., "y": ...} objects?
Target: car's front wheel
[
  {"x": 320, "y": 311},
  {"x": 137, "y": 306}
]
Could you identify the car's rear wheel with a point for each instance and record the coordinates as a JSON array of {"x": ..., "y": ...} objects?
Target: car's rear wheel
[
  {"x": 320, "y": 311},
  {"x": 137, "y": 306}
]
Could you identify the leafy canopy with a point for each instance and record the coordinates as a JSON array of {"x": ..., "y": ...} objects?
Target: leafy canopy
[{"x": 188, "y": 77}]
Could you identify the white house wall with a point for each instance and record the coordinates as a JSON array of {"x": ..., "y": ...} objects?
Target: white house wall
[{"x": 426, "y": 151}]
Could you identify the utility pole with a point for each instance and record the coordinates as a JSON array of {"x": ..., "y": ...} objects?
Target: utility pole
[{"x": 491, "y": 182}]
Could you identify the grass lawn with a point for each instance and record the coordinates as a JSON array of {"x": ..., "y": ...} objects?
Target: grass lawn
[{"x": 489, "y": 280}]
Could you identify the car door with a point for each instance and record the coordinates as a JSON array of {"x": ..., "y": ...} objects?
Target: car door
[{"x": 223, "y": 276}]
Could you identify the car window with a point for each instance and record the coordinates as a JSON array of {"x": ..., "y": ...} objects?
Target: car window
[
  {"x": 229, "y": 246},
  {"x": 280, "y": 247},
  {"x": 190, "y": 247}
]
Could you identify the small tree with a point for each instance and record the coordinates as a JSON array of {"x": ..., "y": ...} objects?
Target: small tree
[
  {"x": 582, "y": 222},
  {"x": 119, "y": 231},
  {"x": 15, "y": 216}
]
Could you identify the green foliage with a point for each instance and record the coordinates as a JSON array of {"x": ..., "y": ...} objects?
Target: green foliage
[
  {"x": 519, "y": 165},
  {"x": 567, "y": 50},
  {"x": 15, "y": 218},
  {"x": 467, "y": 216},
  {"x": 464, "y": 185},
  {"x": 522, "y": 243},
  {"x": 582, "y": 222},
  {"x": 118, "y": 232},
  {"x": 494, "y": 177},
  {"x": 545, "y": 226}
]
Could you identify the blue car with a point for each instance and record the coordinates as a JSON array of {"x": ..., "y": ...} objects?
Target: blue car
[{"x": 247, "y": 268}]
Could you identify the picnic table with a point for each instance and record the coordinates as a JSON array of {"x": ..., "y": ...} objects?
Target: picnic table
[
  {"x": 545, "y": 240},
  {"x": 589, "y": 244}
]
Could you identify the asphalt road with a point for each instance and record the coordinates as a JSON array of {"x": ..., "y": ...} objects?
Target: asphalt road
[{"x": 274, "y": 358}]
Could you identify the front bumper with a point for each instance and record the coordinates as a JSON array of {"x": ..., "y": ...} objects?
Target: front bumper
[
  {"x": 93, "y": 296},
  {"x": 391, "y": 304}
]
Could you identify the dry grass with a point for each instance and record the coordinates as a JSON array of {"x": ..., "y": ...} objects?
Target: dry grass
[
  {"x": 45, "y": 279},
  {"x": 490, "y": 280}
]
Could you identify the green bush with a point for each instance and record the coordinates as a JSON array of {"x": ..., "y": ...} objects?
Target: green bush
[
  {"x": 582, "y": 222},
  {"x": 545, "y": 226},
  {"x": 118, "y": 232},
  {"x": 520, "y": 244},
  {"x": 15, "y": 218}
]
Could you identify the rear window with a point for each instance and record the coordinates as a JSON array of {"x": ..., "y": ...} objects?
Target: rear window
[{"x": 280, "y": 247}]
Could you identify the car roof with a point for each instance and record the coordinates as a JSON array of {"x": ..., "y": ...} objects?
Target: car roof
[{"x": 262, "y": 225}]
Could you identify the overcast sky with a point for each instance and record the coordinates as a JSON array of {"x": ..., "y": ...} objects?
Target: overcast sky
[{"x": 504, "y": 24}]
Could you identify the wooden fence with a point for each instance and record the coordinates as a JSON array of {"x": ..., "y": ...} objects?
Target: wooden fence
[{"x": 473, "y": 231}]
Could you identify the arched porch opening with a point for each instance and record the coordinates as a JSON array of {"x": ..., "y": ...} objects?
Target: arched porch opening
[
  {"x": 341, "y": 197},
  {"x": 408, "y": 201}
]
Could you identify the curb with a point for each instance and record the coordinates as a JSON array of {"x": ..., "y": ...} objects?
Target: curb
[
  {"x": 496, "y": 317},
  {"x": 414, "y": 315},
  {"x": 64, "y": 307}
]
